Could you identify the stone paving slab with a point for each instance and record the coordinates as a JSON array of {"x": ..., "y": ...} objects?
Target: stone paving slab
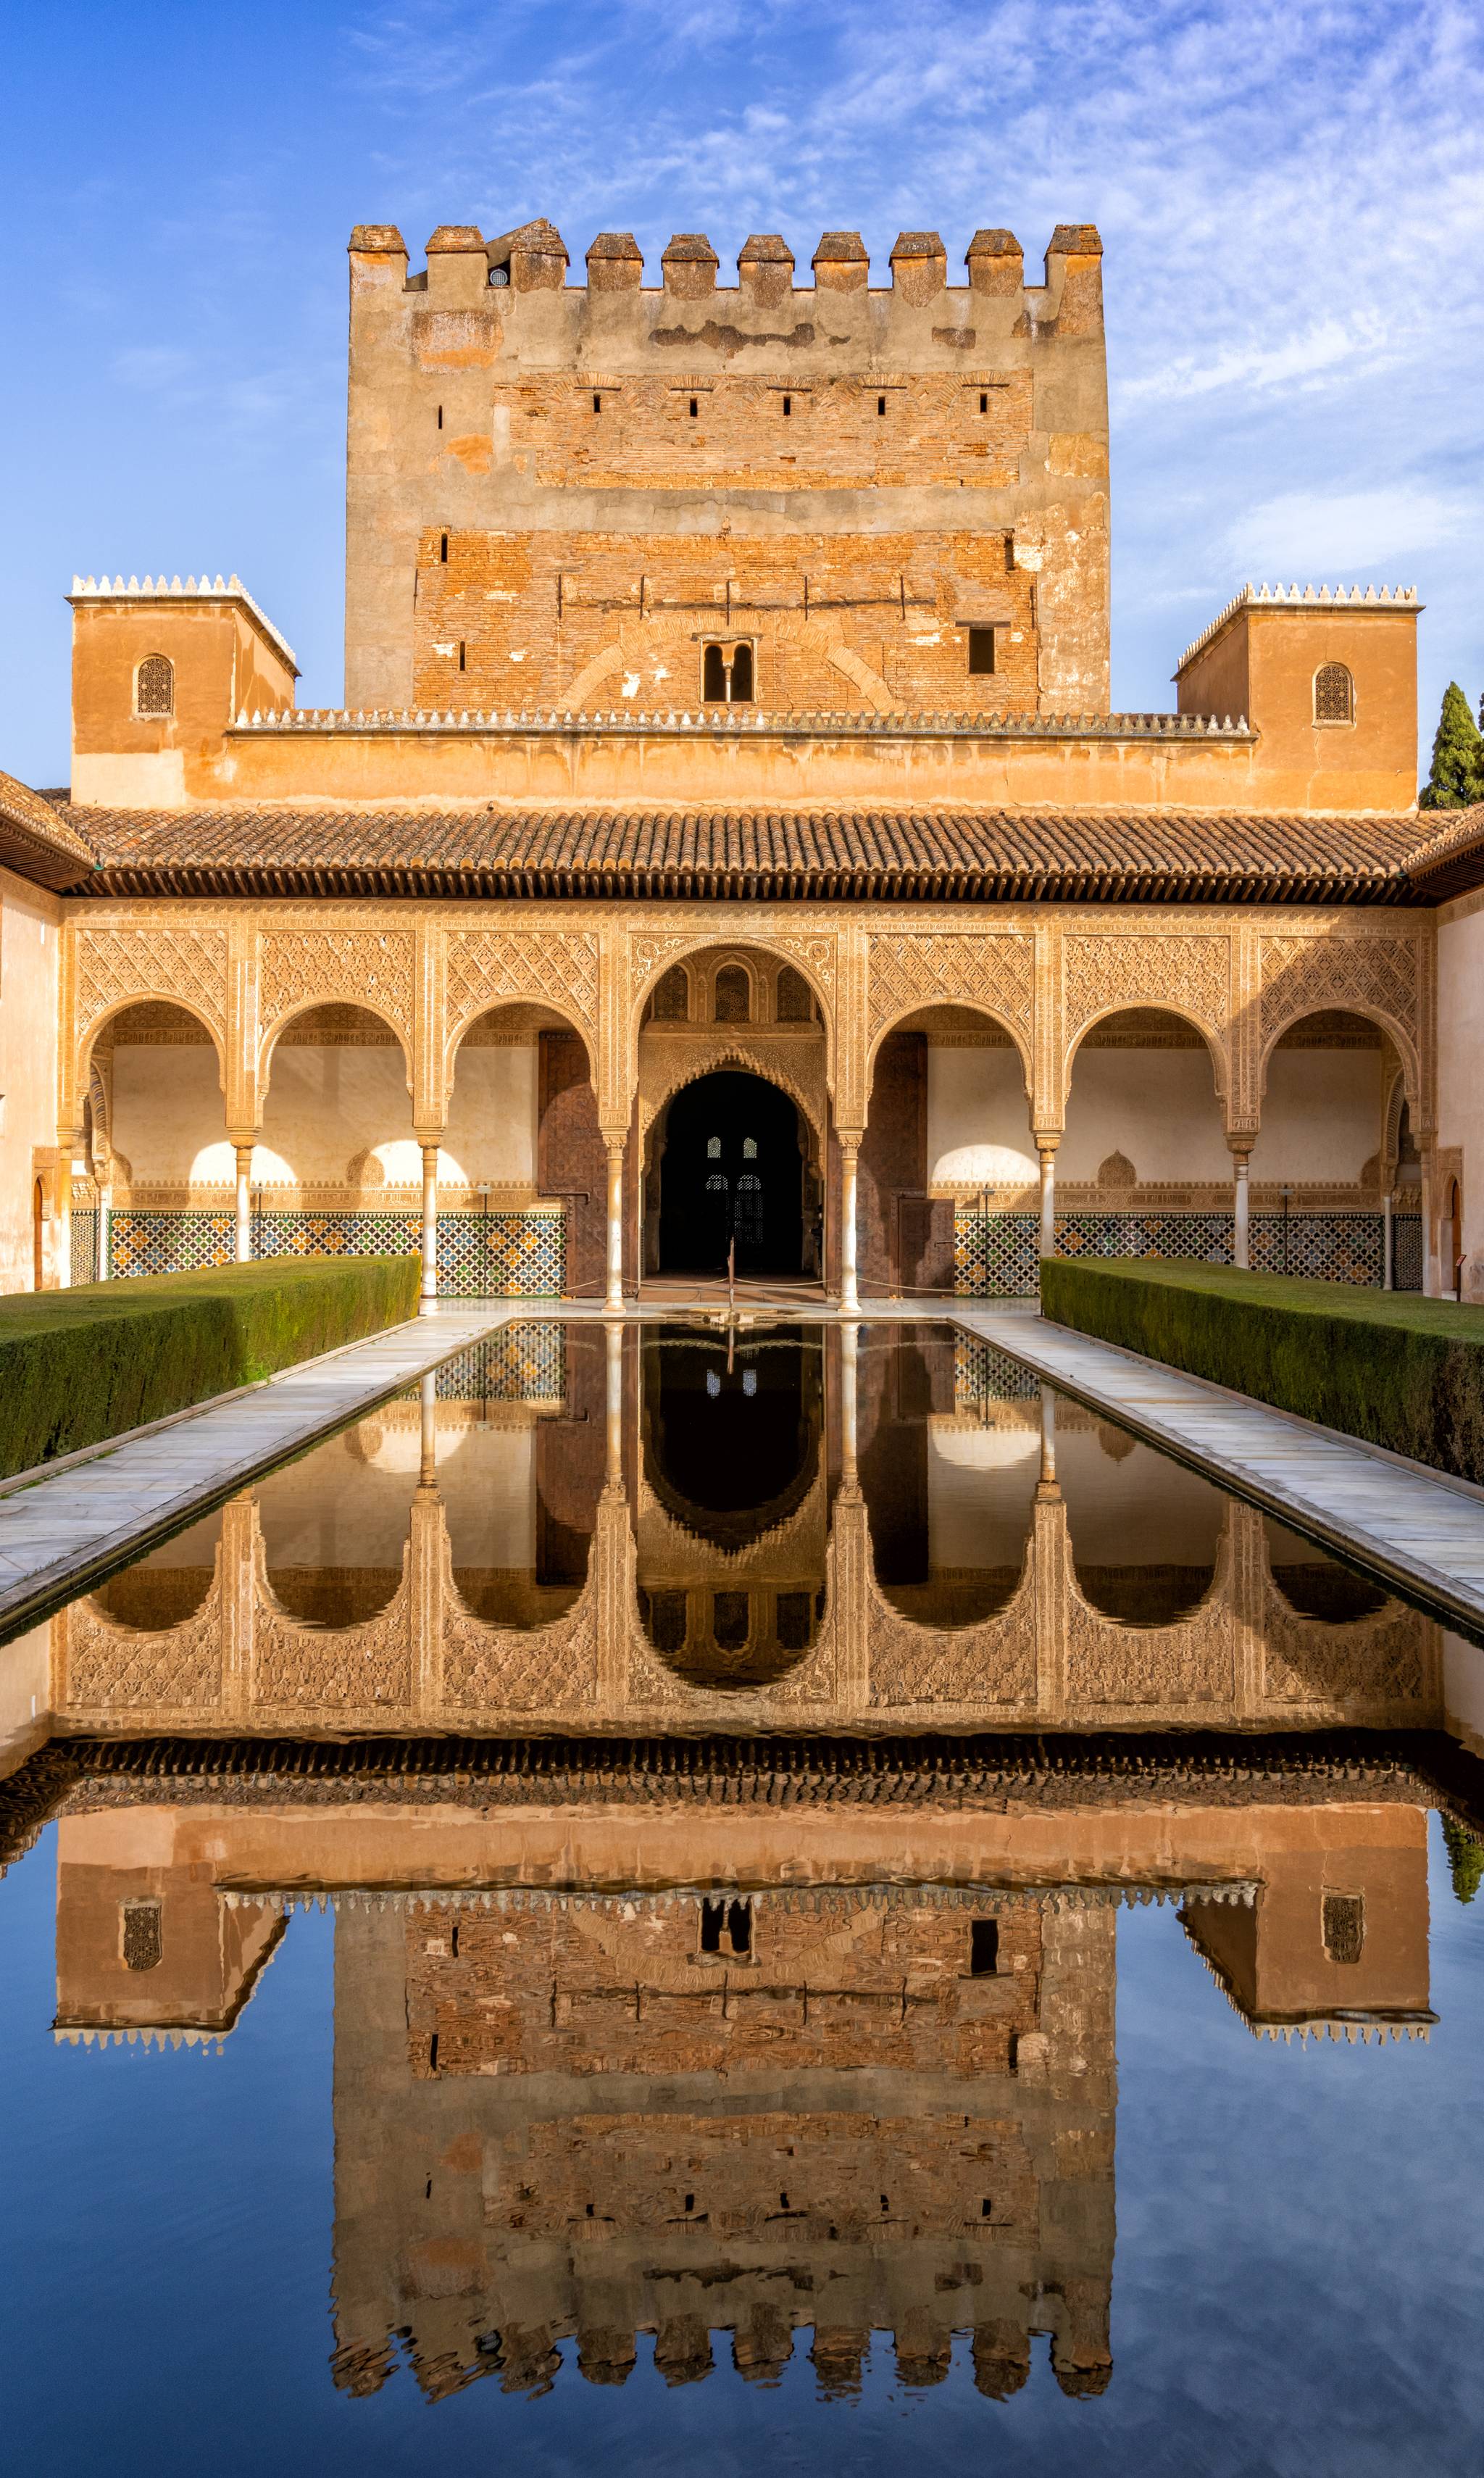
[
  {"x": 1421, "y": 1530},
  {"x": 63, "y": 1531}
]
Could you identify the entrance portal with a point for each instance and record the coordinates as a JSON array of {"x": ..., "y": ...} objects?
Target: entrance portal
[{"x": 729, "y": 1164}]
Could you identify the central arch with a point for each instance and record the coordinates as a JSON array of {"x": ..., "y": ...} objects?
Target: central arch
[{"x": 727, "y": 1164}]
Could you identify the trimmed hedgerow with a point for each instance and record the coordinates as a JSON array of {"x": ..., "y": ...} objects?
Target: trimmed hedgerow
[
  {"x": 1401, "y": 1371},
  {"x": 79, "y": 1366}
]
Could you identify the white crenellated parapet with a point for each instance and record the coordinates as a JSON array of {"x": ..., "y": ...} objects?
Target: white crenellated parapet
[
  {"x": 753, "y": 719},
  {"x": 204, "y": 588},
  {"x": 1304, "y": 598}
]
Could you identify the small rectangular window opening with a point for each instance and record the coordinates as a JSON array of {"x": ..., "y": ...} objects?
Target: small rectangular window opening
[
  {"x": 726, "y": 1927},
  {"x": 443, "y": 548},
  {"x": 981, "y": 650},
  {"x": 440, "y": 417},
  {"x": 696, "y": 407},
  {"x": 984, "y": 404},
  {"x": 984, "y": 2208},
  {"x": 597, "y": 401},
  {"x": 433, "y": 2054},
  {"x": 788, "y": 404},
  {"x": 983, "y": 1948},
  {"x": 881, "y": 404},
  {"x": 462, "y": 664}
]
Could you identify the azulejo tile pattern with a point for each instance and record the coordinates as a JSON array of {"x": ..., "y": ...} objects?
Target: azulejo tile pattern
[
  {"x": 996, "y": 1255},
  {"x": 1324, "y": 1247},
  {"x": 83, "y": 1244},
  {"x": 161, "y": 1241},
  {"x": 493, "y": 1255},
  {"x": 984, "y": 1374},
  {"x": 518, "y": 1363},
  {"x": 501, "y": 1256}
]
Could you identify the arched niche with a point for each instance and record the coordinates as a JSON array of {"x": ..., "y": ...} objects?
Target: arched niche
[
  {"x": 337, "y": 1104},
  {"x": 153, "y": 1070},
  {"x": 947, "y": 1126},
  {"x": 1145, "y": 1534},
  {"x": 1329, "y": 1112},
  {"x": 949, "y": 1497},
  {"x": 508, "y": 1067},
  {"x": 1144, "y": 1111}
]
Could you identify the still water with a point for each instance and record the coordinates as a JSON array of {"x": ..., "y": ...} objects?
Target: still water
[{"x": 775, "y": 1895}]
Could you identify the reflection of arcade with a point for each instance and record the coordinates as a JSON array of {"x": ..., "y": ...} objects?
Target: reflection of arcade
[
  {"x": 817, "y": 2065},
  {"x": 731, "y": 1510},
  {"x": 937, "y": 1574}
]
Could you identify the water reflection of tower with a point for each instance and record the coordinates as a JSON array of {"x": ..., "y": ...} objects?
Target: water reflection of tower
[{"x": 883, "y": 2114}]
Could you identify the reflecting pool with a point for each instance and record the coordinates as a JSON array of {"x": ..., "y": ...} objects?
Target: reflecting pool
[{"x": 749, "y": 1891}]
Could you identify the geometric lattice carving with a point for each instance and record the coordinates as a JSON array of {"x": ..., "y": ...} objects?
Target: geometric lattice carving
[
  {"x": 1191, "y": 973},
  {"x": 495, "y": 1670},
  {"x": 360, "y": 967},
  {"x": 1191, "y": 1662},
  {"x": 990, "y": 1664},
  {"x": 1368, "y": 1661},
  {"x": 299, "y": 1666},
  {"x": 1303, "y": 975},
  {"x": 116, "y": 1668},
  {"x": 796, "y": 1067},
  {"x": 939, "y": 969},
  {"x": 188, "y": 965},
  {"x": 486, "y": 967}
]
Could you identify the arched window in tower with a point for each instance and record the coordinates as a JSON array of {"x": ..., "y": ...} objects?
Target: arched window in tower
[
  {"x": 742, "y": 675},
  {"x": 713, "y": 675},
  {"x": 714, "y": 1149},
  {"x": 154, "y": 685},
  {"x": 795, "y": 1004},
  {"x": 1334, "y": 693},
  {"x": 749, "y": 1149},
  {"x": 671, "y": 998},
  {"x": 732, "y": 995}
]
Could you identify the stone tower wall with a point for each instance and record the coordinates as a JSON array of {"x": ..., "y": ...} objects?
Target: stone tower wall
[{"x": 558, "y": 494}]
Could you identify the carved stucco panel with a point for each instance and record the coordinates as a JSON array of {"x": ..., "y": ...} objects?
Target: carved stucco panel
[
  {"x": 115, "y": 965},
  {"x": 487, "y": 967},
  {"x": 1133, "y": 968},
  {"x": 112, "y": 1668},
  {"x": 1369, "y": 971},
  {"x": 1370, "y": 1664},
  {"x": 937, "y": 968},
  {"x": 493, "y": 1670},
  {"x": 371, "y": 968},
  {"x": 992, "y": 1664},
  {"x": 797, "y": 1066}
]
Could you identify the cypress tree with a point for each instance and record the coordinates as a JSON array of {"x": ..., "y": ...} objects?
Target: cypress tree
[
  {"x": 1457, "y": 758},
  {"x": 1465, "y": 1859}
]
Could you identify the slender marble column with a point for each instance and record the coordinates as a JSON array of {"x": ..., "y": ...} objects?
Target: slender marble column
[
  {"x": 1241, "y": 1256},
  {"x": 614, "y": 1465},
  {"x": 1047, "y": 1434},
  {"x": 244, "y": 1204},
  {"x": 1047, "y": 1154},
  {"x": 104, "y": 1218},
  {"x": 849, "y": 1345},
  {"x": 849, "y": 1289},
  {"x": 613, "y": 1304},
  {"x": 429, "y": 1225},
  {"x": 1388, "y": 1245},
  {"x": 427, "y": 1402}
]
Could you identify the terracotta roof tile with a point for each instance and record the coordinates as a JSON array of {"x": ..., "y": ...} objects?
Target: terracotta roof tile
[
  {"x": 36, "y": 839},
  {"x": 973, "y": 855}
]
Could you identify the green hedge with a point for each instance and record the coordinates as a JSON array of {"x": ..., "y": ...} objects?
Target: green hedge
[
  {"x": 1401, "y": 1371},
  {"x": 78, "y": 1366}
]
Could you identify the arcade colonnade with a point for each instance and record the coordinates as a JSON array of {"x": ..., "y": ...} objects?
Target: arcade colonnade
[{"x": 975, "y": 1087}]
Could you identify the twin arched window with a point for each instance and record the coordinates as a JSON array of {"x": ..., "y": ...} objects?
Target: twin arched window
[
  {"x": 1334, "y": 693},
  {"x": 726, "y": 675},
  {"x": 154, "y": 685}
]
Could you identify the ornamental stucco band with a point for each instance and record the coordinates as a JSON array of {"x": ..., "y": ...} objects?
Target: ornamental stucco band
[{"x": 1045, "y": 991}]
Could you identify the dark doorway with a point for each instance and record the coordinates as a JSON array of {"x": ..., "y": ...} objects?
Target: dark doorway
[{"x": 731, "y": 1167}]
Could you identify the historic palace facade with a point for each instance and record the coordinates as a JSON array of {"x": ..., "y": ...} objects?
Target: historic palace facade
[{"x": 726, "y": 842}]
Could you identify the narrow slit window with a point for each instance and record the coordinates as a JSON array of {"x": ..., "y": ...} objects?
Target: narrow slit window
[
  {"x": 696, "y": 406},
  {"x": 983, "y": 1948},
  {"x": 981, "y": 651},
  {"x": 440, "y": 417},
  {"x": 597, "y": 401},
  {"x": 463, "y": 665},
  {"x": 443, "y": 548},
  {"x": 788, "y": 406},
  {"x": 881, "y": 405},
  {"x": 984, "y": 403}
]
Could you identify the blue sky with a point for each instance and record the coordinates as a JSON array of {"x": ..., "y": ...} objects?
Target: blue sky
[{"x": 1291, "y": 194}]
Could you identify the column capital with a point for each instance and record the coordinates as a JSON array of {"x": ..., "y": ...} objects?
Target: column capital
[
  {"x": 1045, "y": 1139},
  {"x": 1240, "y": 1142}
]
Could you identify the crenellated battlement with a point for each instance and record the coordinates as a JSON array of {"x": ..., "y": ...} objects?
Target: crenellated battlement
[{"x": 541, "y": 450}]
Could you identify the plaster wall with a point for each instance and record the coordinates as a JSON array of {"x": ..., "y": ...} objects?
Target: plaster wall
[
  {"x": 1157, "y": 1107},
  {"x": 1460, "y": 1055},
  {"x": 350, "y": 1503},
  {"x": 492, "y": 1117},
  {"x": 29, "y": 923},
  {"x": 25, "y": 1690},
  {"x": 978, "y": 1119},
  {"x": 1321, "y": 1116},
  {"x": 981, "y": 1489},
  {"x": 168, "y": 1116}
]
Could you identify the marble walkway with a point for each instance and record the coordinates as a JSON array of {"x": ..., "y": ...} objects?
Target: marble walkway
[
  {"x": 1422, "y": 1530},
  {"x": 63, "y": 1531}
]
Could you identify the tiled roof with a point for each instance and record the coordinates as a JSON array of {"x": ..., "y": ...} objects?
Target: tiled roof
[
  {"x": 1065, "y": 855},
  {"x": 1452, "y": 861},
  {"x": 35, "y": 838}
]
